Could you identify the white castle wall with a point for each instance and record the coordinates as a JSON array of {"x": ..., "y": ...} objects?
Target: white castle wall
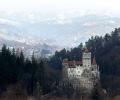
[{"x": 83, "y": 76}]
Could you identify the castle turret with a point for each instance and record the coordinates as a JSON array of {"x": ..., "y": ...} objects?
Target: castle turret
[
  {"x": 94, "y": 64},
  {"x": 86, "y": 58},
  {"x": 94, "y": 61},
  {"x": 95, "y": 68}
]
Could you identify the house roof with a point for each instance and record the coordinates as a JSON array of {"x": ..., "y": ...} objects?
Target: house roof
[
  {"x": 86, "y": 50},
  {"x": 72, "y": 64}
]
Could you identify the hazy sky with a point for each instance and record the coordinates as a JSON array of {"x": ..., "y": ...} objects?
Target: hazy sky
[
  {"x": 59, "y": 22},
  {"x": 55, "y": 5}
]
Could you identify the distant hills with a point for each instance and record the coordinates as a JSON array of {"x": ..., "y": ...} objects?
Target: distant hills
[
  {"x": 40, "y": 50},
  {"x": 62, "y": 29}
]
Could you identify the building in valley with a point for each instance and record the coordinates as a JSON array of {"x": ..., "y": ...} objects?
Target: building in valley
[{"x": 82, "y": 74}]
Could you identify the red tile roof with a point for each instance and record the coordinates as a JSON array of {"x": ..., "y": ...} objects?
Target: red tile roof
[
  {"x": 78, "y": 62},
  {"x": 94, "y": 61},
  {"x": 86, "y": 50},
  {"x": 72, "y": 64}
]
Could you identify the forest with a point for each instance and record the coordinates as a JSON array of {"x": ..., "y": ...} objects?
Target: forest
[
  {"x": 22, "y": 73},
  {"x": 106, "y": 49},
  {"x": 26, "y": 74}
]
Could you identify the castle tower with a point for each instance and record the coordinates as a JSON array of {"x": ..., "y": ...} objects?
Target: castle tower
[
  {"x": 95, "y": 68},
  {"x": 94, "y": 61},
  {"x": 94, "y": 64},
  {"x": 86, "y": 58}
]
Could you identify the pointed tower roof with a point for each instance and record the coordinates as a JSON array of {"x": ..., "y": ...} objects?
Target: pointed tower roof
[
  {"x": 94, "y": 61},
  {"x": 86, "y": 50}
]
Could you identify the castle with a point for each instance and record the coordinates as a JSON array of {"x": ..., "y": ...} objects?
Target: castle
[{"x": 82, "y": 74}]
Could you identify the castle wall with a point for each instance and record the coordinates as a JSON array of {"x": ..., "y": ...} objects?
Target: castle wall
[{"x": 82, "y": 76}]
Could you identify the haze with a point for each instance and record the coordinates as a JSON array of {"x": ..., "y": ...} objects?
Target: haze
[{"x": 63, "y": 23}]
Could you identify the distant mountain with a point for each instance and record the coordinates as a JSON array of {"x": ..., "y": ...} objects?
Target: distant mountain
[
  {"x": 40, "y": 50},
  {"x": 67, "y": 30},
  {"x": 50, "y": 34},
  {"x": 13, "y": 35}
]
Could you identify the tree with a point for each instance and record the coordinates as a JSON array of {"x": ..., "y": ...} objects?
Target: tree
[{"x": 95, "y": 95}]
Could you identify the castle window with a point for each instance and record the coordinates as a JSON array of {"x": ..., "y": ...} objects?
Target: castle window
[{"x": 92, "y": 69}]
